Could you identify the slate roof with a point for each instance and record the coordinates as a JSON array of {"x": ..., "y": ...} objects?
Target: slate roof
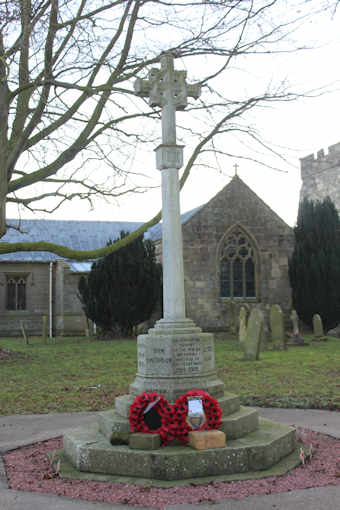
[{"x": 78, "y": 235}]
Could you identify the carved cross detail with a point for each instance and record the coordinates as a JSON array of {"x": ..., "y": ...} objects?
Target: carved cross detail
[{"x": 166, "y": 85}]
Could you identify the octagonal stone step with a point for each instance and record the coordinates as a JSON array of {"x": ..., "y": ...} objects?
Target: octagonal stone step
[
  {"x": 114, "y": 427},
  {"x": 89, "y": 451},
  {"x": 236, "y": 421},
  {"x": 240, "y": 423}
]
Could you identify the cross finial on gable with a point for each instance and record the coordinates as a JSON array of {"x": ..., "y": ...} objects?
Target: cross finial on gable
[{"x": 236, "y": 168}]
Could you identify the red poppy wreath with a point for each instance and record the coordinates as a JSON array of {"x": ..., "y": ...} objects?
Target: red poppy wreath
[
  {"x": 151, "y": 413},
  {"x": 161, "y": 412}
]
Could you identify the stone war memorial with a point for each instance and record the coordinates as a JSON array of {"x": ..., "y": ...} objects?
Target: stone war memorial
[{"x": 178, "y": 424}]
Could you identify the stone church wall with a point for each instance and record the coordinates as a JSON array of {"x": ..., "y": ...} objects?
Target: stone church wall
[
  {"x": 321, "y": 175},
  {"x": 37, "y": 285},
  {"x": 68, "y": 317},
  {"x": 236, "y": 205}
]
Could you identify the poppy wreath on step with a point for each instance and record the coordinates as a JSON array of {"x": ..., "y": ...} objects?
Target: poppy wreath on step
[
  {"x": 212, "y": 411},
  {"x": 151, "y": 413},
  {"x": 163, "y": 422}
]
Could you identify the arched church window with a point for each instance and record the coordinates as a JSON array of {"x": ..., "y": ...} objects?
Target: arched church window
[{"x": 237, "y": 266}]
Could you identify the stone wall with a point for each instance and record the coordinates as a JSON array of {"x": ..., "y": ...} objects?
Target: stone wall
[
  {"x": 235, "y": 205},
  {"x": 321, "y": 175},
  {"x": 68, "y": 317},
  {"x": 37, "y": 298}
]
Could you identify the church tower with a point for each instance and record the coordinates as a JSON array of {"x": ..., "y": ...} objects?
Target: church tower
[{"x": 321, "y": 175}]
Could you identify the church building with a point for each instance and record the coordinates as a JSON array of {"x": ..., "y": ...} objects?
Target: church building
[{"x": 235, "y": 252}]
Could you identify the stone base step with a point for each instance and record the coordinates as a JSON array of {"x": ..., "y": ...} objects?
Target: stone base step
[
  {"x": 89, "y": 451},
  {"x": 240, "y": 423},
  {"x": 236, "y": 421},
  {"x": 114, "y": 427}
]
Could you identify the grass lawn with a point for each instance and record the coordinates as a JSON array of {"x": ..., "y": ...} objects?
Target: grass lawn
[{"x": 78, "y": 374}]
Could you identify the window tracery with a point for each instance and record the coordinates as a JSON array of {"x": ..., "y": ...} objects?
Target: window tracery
[{"x": 237, "y": 266}]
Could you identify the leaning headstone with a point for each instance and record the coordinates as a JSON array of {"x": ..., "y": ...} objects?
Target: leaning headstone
[
  {"x": 231, "y": 317},
  {"x": 295, "y": 323},
  {"x": 277, "y": 328},
  {"x": 318, "y": 328},
  {"x": 297, "y": 338},
  {"x": 265, "y": 336},
  {"x": 242, "y": 332},
  {"x": 254, "y": 335}
]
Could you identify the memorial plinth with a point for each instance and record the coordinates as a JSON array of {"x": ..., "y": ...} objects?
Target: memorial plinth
[{"x": 175, "y": 356}]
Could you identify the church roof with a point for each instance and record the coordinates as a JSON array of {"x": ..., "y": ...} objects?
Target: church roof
[
  {"x": 77, "y": 235},
  {"x": 91, "y": 235}
]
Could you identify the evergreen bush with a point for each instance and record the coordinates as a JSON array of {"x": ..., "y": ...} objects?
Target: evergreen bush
[
  {"x": 314, "y": 267},
  {"x": 123, "y": 288}
]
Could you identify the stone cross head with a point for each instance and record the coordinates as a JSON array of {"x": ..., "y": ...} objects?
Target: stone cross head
[{"x": 166, "y": 86}]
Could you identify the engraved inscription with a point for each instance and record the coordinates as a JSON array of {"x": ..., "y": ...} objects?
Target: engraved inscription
[
  {"x": 182, "y": 357},
  {"x": 153, "y": 360},
  {"x": 187, "y": 357}
]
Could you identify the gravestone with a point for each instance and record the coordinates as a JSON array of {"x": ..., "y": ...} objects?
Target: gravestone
[
  {"x": 318, "y": 328},
  {"x": 242, "y": 332},
  {"x": 277, "y": 328},
  {"x": 254, "y": 335},
  {"x": 231, "y": 317},
  {"x": 296, "y": 336},
  {"x": 295, "y": 323},
  {"x": 265, "y": 335}
]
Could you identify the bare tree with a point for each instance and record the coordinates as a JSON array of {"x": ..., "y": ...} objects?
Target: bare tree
[{"x": 70, "y": 123}]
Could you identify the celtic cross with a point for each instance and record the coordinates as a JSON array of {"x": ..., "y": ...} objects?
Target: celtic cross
[{"x": 167, "y": 88}]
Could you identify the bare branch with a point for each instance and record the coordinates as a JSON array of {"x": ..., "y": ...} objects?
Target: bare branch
[{"x": 66, "y": 88}]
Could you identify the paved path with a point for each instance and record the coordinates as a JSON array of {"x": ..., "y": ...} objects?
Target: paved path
[{"x": 24, "y": 429}]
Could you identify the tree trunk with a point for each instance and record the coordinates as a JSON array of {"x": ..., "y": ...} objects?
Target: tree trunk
[{"x": 3, "y": 194}]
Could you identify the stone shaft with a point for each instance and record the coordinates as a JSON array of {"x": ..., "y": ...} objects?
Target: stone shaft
[{"x": 173, "y": 271}]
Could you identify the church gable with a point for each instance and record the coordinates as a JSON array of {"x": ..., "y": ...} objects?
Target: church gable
[
  {"x": 235, "y": 204},
  {"x": 235, "y": 248}
]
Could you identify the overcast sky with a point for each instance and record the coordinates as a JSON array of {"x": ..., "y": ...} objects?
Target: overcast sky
[{"x": 296, "y": 129}]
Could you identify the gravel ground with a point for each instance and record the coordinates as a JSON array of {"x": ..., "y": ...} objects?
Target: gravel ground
[{"x": 28, "y": 469}]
